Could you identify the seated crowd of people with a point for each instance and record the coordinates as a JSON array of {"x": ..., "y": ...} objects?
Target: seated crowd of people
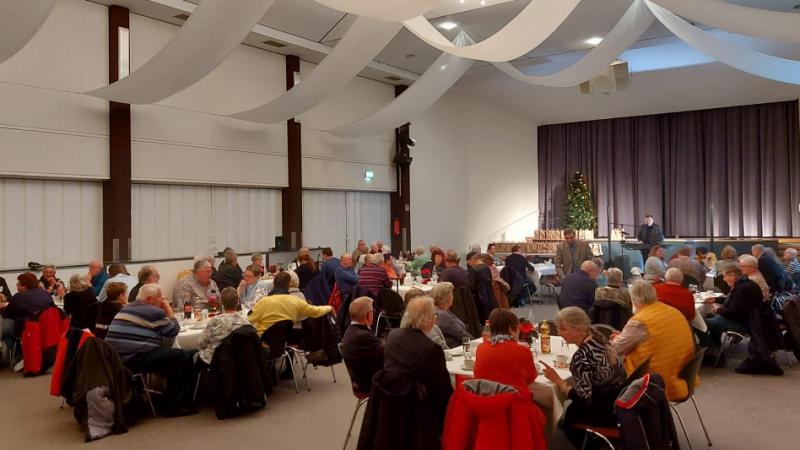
[{"x": 404, "y": 374}]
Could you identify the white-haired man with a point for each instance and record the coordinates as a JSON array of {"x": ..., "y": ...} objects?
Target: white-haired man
[
  {"x": 98, "y": 274},
  {"x": 197, "y": 287},
  {"x": 791, "y": 264},
  {"x": 142, "y": 333},
  {"x": 672, "y": 292},
  {"x": 749, "y": 266}
]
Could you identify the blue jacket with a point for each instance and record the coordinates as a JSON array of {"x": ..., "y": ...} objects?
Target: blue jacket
[
  {"x": 98, "y": 281},
  {"x": 346, "y": 278},
  {"x": 328, "y": 270}
]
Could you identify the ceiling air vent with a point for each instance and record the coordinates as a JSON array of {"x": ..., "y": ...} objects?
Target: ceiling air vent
[
  {"x": 181, "y": 16},
  {"x": 393, "y": 78},
  {"x": 274, "y": 44}
]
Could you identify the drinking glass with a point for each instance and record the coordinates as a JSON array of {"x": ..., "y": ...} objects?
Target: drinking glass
[{"x": 465, "y": 343}]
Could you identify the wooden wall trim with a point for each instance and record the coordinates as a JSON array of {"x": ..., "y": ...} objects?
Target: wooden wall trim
[
  {"x": 117, "y": 189},
  {"x": 400, "y": 199},
  {"x": 292, "y": 196}
]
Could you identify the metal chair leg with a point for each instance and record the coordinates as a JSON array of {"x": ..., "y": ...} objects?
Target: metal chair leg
[
  {"x": 334, "y": 374},
  {"x": 288, "y": 360},
  {"x": 146, "y": 388},
  {"x": 196, "y": 386},
  {"x": 788, "y": 358},
  {"x": 378, "y": 323},
  {"x": 680, "y": 420},
  {"x": 591, "y": 432},
  {"x": 352, "y": 422},
  {"x": 703, "y": 425},
  {"x": 724, "y": 342}
]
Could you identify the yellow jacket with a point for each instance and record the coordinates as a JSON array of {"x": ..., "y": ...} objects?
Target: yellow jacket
[
  {"x": 669, "y": 344},
  {"x": 270, "y": 310}
]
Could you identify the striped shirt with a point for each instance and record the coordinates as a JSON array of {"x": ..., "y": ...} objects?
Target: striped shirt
[
  {"x": 140, "y": 328},
  {"x": 373, "y": 279},
  {"x": 594, "y": 368}
]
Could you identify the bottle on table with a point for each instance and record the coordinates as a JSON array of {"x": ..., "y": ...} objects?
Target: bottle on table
[
  {"x": 487, "y": 332},
  {"x": 544, "y": 330}
]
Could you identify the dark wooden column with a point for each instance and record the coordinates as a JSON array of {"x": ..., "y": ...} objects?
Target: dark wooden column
[
  {"x": 292, "y": 196},
  {"x": 117, "y": 189},
  {"x": 401, "y": 198}
]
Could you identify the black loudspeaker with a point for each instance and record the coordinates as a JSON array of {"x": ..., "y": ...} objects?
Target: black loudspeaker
[
  {"x": 280, "y": 243},
  {"x": 623, "y": 263}
]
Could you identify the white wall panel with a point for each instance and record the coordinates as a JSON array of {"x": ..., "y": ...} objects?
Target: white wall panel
[
  {"x": 187, "y": 134},
  {"x": 48, "y": 129},
  {"x": 49, "y": 221},
  {"x": 177, "y": 221}
]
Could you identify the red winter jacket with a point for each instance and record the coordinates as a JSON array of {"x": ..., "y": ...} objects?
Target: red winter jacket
[
  {"x": 68, "y": 347},
  {"x": 40, "y": 339},
  {"x": 484, "y": 415}
]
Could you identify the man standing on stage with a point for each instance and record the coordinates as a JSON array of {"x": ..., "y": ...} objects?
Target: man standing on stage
[{"x": 650, "y": 233}]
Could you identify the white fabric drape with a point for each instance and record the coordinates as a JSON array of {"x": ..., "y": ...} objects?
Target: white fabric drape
[
  {"x": 211, "y": 33},
  {"x": 20, "y": 20},
  {"x": 172, "y": 221},
  {"x": 624, "y": 34},
  {"x": 325, "y": 220},
  {"x": 522, "y": 34},
  {"x": 744, "y": 59},
  {"x": 368, "y": 218},
  {"x": 339, "y": 219},
  {"x": 755, "y": 22},
  {"x": 363, "y": 41},
  {"x": 389, "y": 10},
  {"x": 440, "y": 76}
]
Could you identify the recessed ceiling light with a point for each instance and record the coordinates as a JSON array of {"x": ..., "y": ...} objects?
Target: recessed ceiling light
[
  {"x": 594, "y": 40},
  {"x": 410, "y": 55},
  {"x": 447, "y": 25},
  {"x": 181, "y": 16}
]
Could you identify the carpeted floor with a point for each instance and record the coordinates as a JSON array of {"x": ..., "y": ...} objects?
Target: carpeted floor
[{"x": 741, "y": 412}]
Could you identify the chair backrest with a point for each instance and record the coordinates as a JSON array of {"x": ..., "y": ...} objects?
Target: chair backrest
[
  {"x": 604, "y": 329},
  {"x": 275, "y": 337},
  {"x": 691, "y": 369},
  {"x": 391, "y": 302},
  {"x": 639, "y": 372}
]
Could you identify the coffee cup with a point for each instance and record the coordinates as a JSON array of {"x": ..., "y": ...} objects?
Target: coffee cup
[{"x": 469, "y": 364}]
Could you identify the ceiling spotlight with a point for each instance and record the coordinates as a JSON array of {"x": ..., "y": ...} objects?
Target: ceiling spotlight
[
  {"x": 594, "y": 41},
  {"x": 447, "y": 25},
  {"x": 369, "y": 175},
  {"x": 483, "y": 2}
]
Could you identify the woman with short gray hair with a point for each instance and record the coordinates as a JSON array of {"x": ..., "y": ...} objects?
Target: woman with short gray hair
[
  {"x": 452, "y": 327},
  {"x": 410, "y": 354},
  {"x": 597, "y": 373}
]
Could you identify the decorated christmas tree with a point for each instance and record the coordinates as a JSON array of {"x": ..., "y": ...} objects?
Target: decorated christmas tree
[{"x": 579, "y": 212}]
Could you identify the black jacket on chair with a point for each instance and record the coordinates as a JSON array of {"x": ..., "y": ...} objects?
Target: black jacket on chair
[
  {"x": 609, "y": 313},
  {"x": 321, "y": 341},
  {"x": 480, "y": 283},
  {"x": 239, "y": 374},
  {"x": 645, "y": 419},
  {"x": 409, "y": 397},
  {"x": 464, "y": 308},
  {"x": 363, "y": 356}
]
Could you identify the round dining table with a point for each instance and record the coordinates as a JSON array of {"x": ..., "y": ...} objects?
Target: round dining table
[{"x": 545, "y": 393}]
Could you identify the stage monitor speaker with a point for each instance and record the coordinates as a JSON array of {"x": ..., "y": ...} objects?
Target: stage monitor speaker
[
  {"x": 623, "y": 263},
  {"x": 280, "y": 243}
]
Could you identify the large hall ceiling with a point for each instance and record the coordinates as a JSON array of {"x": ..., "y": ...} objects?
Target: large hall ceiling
[{"x": 309, "y": 30}]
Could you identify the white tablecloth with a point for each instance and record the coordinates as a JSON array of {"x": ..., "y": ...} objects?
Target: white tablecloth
[
  {"x": 543, "y": 270},
  {"x": 403, "y": 289},
  {"x": 544, "y": 392},
  {"x": 189, "y": 336}
]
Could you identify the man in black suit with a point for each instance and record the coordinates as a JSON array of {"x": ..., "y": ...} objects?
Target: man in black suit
[
  {"x": 650, "y": 232},
  {"x": 362, "y": 351}
]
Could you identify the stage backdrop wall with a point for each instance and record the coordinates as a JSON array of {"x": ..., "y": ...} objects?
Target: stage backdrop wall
[{"x": 676, "y": 165}]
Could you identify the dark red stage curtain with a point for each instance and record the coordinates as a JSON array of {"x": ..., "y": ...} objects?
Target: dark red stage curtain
[{"x": 744, "y": 160}]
